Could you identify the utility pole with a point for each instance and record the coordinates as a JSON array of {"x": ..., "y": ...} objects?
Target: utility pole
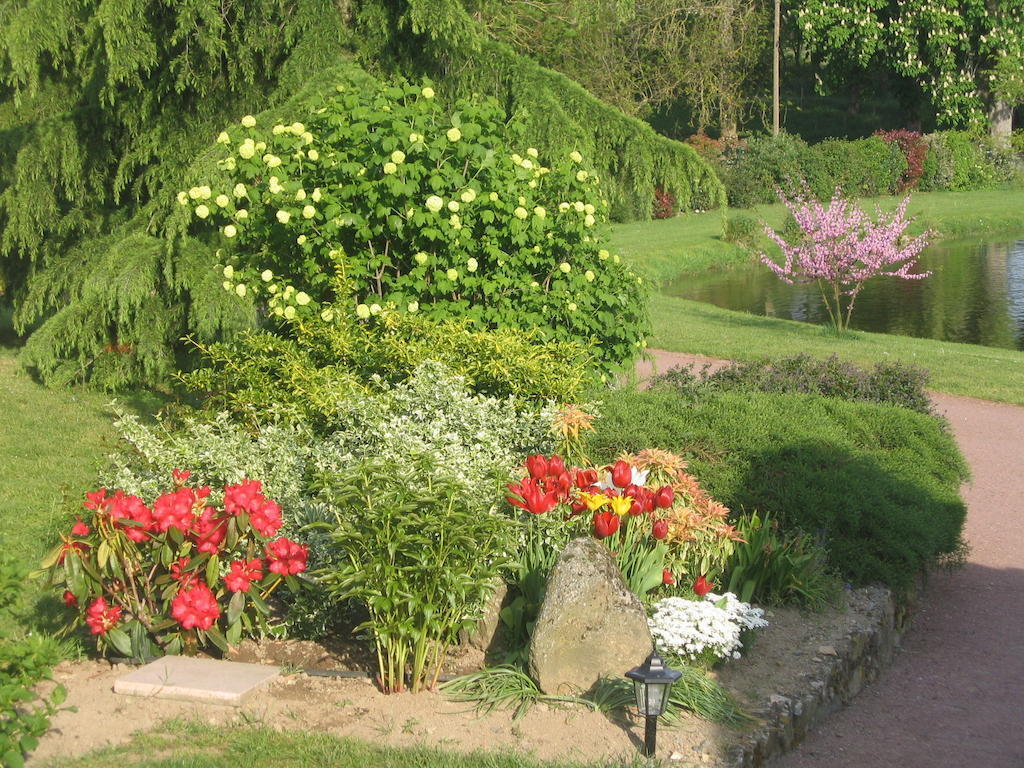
[{"x": 775, "y": 70}]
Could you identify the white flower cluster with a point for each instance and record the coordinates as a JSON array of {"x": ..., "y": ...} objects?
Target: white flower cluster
[{"x": 696, "y": 628}]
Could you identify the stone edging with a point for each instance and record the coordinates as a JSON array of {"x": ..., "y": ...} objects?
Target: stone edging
[{"x": 786, "y": 720}]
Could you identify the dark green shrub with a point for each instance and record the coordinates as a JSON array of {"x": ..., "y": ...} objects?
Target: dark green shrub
[
  {"x": 888, "y": 383},
  {"x": 957, "y": 162},
  {"x": 753, "y": 172},
  {"x": 865, "y": 167},
  {"x": 24, "y": 662},
  {"x": 878, "y": 485}
]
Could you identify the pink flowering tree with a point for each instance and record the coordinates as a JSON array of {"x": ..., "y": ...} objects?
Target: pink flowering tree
[{"x": 841, "y": 247}]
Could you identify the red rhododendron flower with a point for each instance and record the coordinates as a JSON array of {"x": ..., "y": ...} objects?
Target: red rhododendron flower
[
  {"x": 702, "y": 586},
  {"x": 286, "y": 557},
  {"x": 242, "y": 498},
  {"x": 94, "y": 499},
  {"x": 605, "y": 524},
  {"x": 664, "y": 497},
  {"x": 667, "y": 578},
  {"x": 122, "y": 507},
  {"x": 180, "y": 476},
  {"x": 660, "y": 529},
  {"x": 101, "y": 617},
  {"x": 528, "y": 495},
  {"x": 180, "y": 574},
  {"x": 175, "y": 510},
  {"x": 265, "y": 517},
  {"x": 537, "y": 466},
  {"x": 622, "y": 474},
  {"x": 209, "y": 531},
  {"x": 195, "y": 607},
  {"x": 79, "y": 528},
  {"x": 243, "y": 573},
  {"x": 69, "y": 598}
]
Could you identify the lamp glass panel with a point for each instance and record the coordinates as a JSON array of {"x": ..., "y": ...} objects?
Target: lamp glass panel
[
  {"x": 640, "y": 692},
  {"x": 655, "y": 703}
]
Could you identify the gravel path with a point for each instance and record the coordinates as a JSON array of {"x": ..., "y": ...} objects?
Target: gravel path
[{"x": 954, "y": 696}]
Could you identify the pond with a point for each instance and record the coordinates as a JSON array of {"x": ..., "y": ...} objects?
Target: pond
[{"x": 974, "y": 295}]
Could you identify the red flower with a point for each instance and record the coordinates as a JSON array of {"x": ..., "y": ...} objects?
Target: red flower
[
  {"x": 622, "y": 474},
  {"x": 702, "y": 586},
  {"x": 209, "y": 531},
  {"x": 180, "y": 476},
  {"x": 286, "y": 557},
  {"x": 69, "y": 599},
  {"x": 528, "y": 495},
  {"x": 175, "y": 510},
  {"x": 101, "y": 617},
  {"x": 605, "y": 524},
  {"x": 122, "y": 507},
  {"x": 585, "y": 478},
  {"x": 243, "y": 574},
  {"x": 179, "y": 574},
  {"x": 243, "y": 497},
  {"x": 94, "y": 500},
  {"x": 667, "y": 578},
  {"x": 660, "y": 529},
  {"x": 265, "y": 517},
  {"x": 195, "y": 607},
  {"x": 664, "y": 497},
  {"x": 556, "y": 466},
  {"x": 79, "y": 528},
  {"x": 537, "y": 466}
]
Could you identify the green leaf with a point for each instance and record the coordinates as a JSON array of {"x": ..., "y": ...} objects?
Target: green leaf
[
  {"x": 235, "y": 608},
  {"x": 215, "y": 637},
  {"x": 118, "y": 638},
  {"x": 212, "y": 571}
]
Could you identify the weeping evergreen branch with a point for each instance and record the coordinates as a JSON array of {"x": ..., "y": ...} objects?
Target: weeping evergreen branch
[{"x": 109, "y": 107}]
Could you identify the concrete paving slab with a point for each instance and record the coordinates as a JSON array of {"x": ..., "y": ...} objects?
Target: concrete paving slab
[{"x": 193, "y": 679}]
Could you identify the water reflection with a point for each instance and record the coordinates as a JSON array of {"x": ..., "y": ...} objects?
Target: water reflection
[{"x": 975, "y": 295}]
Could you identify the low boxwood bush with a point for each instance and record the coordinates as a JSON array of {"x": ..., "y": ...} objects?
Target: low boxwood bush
[
  {"x": 865, "y": 167},
  {"x": 878, "y": 485},
  {"x": 753, "y": 171},
  {"x": 889, "y": 383}
]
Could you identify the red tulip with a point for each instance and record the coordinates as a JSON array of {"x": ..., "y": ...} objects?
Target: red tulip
[
  {"x": 660, "y": 529},
  {"x": 667, "y": 578},
  {"x": 528, "y": 495},
  {"x": 537, "y": 466},
  {"x": 664, "y": 497},
  {"x": 702, "y": 586},
  {"x": 585, "y": 478},
  {"x": 622, "y": 474},
  {"x": 556, "y": 466},
  {"x": 605, "y": 524}
]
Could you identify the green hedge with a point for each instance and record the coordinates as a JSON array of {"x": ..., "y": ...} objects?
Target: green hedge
[
  {"x": 955, "y": 161},
  {"x": 879, "y": 484}
]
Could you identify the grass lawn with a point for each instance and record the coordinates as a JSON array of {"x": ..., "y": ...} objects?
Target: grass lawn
[
  {"x": 177, "y": 745},
  {"x": 51, "y": 441},
  {"x": 692, "y": 243}
]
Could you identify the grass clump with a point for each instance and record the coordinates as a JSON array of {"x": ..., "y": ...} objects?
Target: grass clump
[{"x": 878, "y": 485}]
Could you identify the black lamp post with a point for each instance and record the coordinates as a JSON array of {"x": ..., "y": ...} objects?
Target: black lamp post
[{"x": 652, "y": 682}]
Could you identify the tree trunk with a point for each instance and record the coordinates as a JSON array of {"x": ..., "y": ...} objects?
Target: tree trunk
[{"x": 1000, "y": 117}]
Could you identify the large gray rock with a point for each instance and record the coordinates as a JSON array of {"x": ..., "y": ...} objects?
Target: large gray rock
[{"x": 590, "y": 625}]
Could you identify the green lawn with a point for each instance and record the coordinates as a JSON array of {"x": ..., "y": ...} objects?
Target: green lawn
[
  {"x": 51, "y": 441},
  {"x": 177, "y": 745},
  {"x": 692, "y": 243}
]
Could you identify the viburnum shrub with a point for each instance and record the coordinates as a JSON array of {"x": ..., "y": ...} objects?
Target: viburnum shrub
[
  {"x": 841, "y": 247},
  {"x": 178, "y": 574},
  {"x": 444, "y": 214},
  {"x": 652, "y": 515}
]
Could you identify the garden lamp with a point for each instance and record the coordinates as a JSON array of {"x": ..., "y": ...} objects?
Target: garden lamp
[{"x": 652, "y": 682}]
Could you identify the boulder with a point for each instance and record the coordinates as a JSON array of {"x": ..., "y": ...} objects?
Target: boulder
[
  {"x": 486, "y": 635},
  {"x": 590, "y": 625}
]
